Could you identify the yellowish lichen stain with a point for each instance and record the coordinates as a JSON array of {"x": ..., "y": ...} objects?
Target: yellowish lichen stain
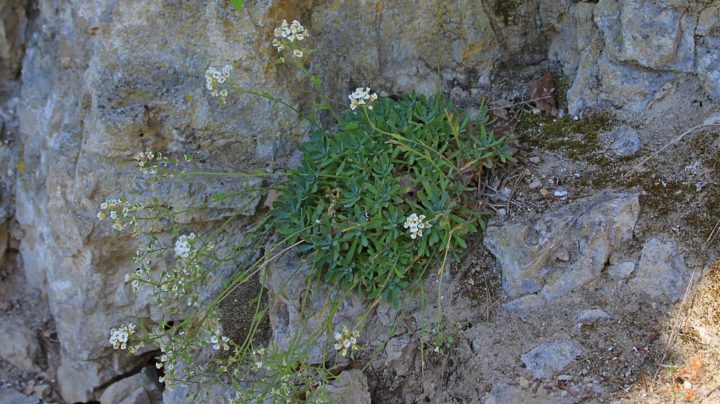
[
  {"x": 21, "y": 166},
  {"x": 471, "y": 51}
]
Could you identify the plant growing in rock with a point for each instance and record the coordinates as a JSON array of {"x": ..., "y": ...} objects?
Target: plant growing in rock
[{"x": 383, "y": 194}]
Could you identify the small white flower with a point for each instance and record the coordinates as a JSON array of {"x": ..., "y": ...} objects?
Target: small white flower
[
  {"x": 183, "y": 245},
  {"x": 298, "y": 53},
  {"x": 416, "y": 224},
  {"x": 286, "y": 34},
  {"x": 362, "y": 96},
  {"x": 345, "y": 341},
  {"x": 119, "y": 336},
  {"x": 214, "y": 80}
]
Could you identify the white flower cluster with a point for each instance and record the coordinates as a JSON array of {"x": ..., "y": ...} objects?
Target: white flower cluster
[
  {"x": 258, "y": 356},
  {"x": 416, "y": 224},
  {"x": 287, "y": 36},
  {"x": 119, "y": 336},
  {"x": 288, "y": 32},
  {"x": 182, "y": 278},
  {"x": 172, "y": 348},
  {"x": 219, "y": 341},
  {"x": 133, "y": 281},
  {"x": 215, "y": 81},
  {"x": 142, "y": 272},
  {"x": 150, "y": 161},
  {"x": 177, "y": 350},
  {"x": 118, "y": 211},
  {"x": 282, "y": 392},
  {"x": 346, "y": 341},
  {"x": 184, "y": 245},
  {"x": 362, "y": 96},
  {"x": 163, "y": 362}
]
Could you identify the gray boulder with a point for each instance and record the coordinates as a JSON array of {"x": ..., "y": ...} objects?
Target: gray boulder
[
  {"x": 549, "y": 358},
  {"x": 562, "y": 250},
  {"x": 18, "y": 344},
  {"x": 621, "y": 271},
  {"x": 624, "y": 141},
  {"x": 141, "y": 388},
  {"x": 662, "y": 272}
]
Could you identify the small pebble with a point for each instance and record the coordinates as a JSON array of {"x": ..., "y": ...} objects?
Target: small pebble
[
  {"x": 561, "y": 193},
  {"x": 505, "y": 192},
  {"x": 534, "y": 160},
  {"x": 535, "y": 184}
]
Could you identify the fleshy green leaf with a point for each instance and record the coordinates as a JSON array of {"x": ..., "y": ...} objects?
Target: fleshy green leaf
[{"x": 238, "y": 4}]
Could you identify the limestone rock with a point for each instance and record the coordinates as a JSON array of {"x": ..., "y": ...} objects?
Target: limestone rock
[
  {"x": 18, "y": 344},
  {"x": 349, "y": 387},
  {"x": 395, "y": 49},
  {"x": 592, "y": 315},
  {"x": 590, "y": 231},
  {"x": 585, "y": 87},
  {"x": 708, "y": 42},
  {"x": 102, "y": 80},
  {"x": 623, "y": 140},
  {"x": 622, "y": 270},
  {"x": 549, "y": 358},
  {"x": 9, "y": 396},
  {"x": 656, "y": 35},
  {"x": 141, "y": 388},
  {"x": 627, "y": 87},
  {"x": 661, "y": 272},
  {"x": 286, "y": 280},
  {"x": 13, "y": 22},
  {"x": 399, "y": 355}
]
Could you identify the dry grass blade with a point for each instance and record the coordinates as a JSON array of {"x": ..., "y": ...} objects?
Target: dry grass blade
[
  {"x": 711, "y": 237},
  {"x": 714, "y": 120}
]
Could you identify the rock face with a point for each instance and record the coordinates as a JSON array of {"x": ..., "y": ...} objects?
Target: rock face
[
  {"x": 141, "y": 388},
  {"x": 562, "y": 250},
  {"x": 18, "y": 344},
  {"x": 349, "y": 387},
  {"x": 103, "y": 80},
  {"x": 661, "y": 273},
  {"x": 287, "y": 281},
  {"x": 629, "y": 49}
]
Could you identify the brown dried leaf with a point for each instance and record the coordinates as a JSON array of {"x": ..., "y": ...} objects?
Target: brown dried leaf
[{"x": 542, "y": 91}]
